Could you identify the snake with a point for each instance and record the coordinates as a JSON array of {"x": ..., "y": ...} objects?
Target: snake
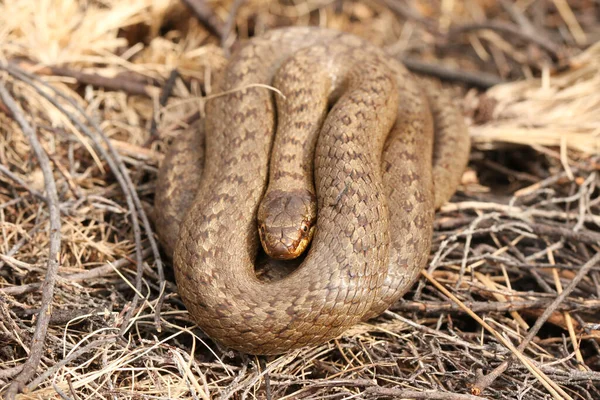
[{"x": 320, "y": 142}]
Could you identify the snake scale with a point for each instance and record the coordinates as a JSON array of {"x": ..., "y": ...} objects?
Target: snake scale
[{"x": 383, "y": 140}]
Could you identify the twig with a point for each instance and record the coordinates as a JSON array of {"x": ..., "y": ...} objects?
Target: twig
[
  {"x": 337, "y": 382},
  {"x": 39, "y": 335},
  {"x": 229, "y": 24},
  {"x": 59, "y": 391},
  {"x": 431, "y": 331},
  {"x": 521, "y": 176},
  {"x": 263, "y": 366},
  {"x": 415, "y": 394},
  {"x": 408, "y": 13},
  {"x": 480, "y": 80},
  {"x": 12, "y": 202},
  {"x": 544, "y": 183},
  {"x": 165, "y": 93},
  {"x": 488, "y": 379},
  {"x": 206, "y": 16},
  {"x": 518, "y": 16},
  {"x": 511, "y": 29},
  {"x": 558, "y": 232},
  {"x": 117, "y": 169},
  {"x": 117, "y": 83},
  {"x": 430, "y": 307},
  {"x": 10, "y": 372}
]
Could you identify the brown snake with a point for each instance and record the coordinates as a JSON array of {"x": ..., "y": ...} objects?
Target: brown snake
[{"x": 375, "y": 168}]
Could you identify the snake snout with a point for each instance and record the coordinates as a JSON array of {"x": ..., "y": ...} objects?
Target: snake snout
[{"x": 286, "y": 223}]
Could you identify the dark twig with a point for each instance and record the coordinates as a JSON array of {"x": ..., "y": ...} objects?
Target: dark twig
[
  {"x": 401, "y": 9},
  {"x": 480, "y": 80},
  {"x": 12, "y": 202},
  {"x": 263, "y": 366},
  {"x": 162, "y": 101},
  {"x": 559, "y": 232},
  {"x": 229, "y": 24},
  {"x": 338, "y": 382},
  {"x": 492, "y": 306},
  {"x": 518, "y": 16},
  {"x": 559, "y": 299},
  {"x": 206, "y": 16},
  {"x": 117, "y": 83},
  {"x": 59, "y": 391},
  {"x": 511, "y": 29},
  {"x": 37, "y": 344},
  {"x": 379, "y": 392}
]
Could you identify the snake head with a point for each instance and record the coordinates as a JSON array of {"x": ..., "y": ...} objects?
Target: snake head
[{"x": 286, "y": 222}]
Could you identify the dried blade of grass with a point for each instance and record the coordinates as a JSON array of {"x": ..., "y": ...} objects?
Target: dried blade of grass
[
  {"x": 202, "y": 100},
  {"x": 571, "y": 20},
  {"x": 189, "y": 376},
  {"x": 511, "y": 132},
  {"x": 39, "y": 336},
  {"x": 501, "y": 298},
  {"x": 567, "y": 315},
  {"x": 556, "y": 391},
  {"x": 554, "y": 110}
]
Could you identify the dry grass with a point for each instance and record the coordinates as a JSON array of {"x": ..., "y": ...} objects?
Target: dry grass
[
  {"x": 508, "y": 307},
  {"x": 554, "y": 111}
]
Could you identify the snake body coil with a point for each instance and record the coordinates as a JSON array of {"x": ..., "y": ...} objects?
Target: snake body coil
[{"x": 375, "y": 168}]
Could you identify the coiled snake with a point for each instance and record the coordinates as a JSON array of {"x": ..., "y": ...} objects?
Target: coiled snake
[{"x": 349, "y": 119}]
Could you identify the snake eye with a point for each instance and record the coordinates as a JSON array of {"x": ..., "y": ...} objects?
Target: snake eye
[{"x": 304, "y": 227}]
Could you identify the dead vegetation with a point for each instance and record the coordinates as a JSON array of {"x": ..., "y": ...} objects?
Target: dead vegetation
[{"x": 507, "y": 309}]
